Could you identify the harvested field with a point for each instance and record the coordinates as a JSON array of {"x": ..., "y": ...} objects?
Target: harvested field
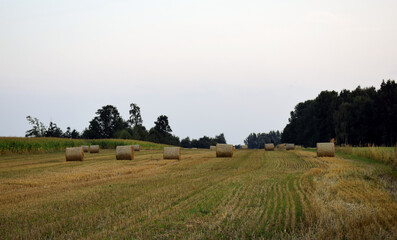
[{"x": 255, "y": 194}]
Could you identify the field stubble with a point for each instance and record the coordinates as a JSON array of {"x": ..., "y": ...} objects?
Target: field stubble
[{"x": 255, "y": 194}]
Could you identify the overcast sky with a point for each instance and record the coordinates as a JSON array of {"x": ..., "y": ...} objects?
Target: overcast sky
[{"x": 211, "y": 66}]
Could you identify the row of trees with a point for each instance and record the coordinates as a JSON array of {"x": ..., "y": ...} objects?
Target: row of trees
[
  {"x": 108, "y": 123},
  {"x": 40, "y": 130},
  {"x": 204, "y": 142},
  {"x": 258, "y": 140},
  {"x": 360, "y": 117}
]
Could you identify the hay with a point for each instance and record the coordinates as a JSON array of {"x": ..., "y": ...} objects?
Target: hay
[
  {"x": 212, "y": 147},
  {"x": 290, "y": 146},
  {"x": 172, "y": 153},
  {"x": 281, "y": 146},
  {"x": 325, "y": 149},
  {"x": 136, "y": 147},
  {"x": 244, "y": 147},
  {"x": 85, "y": 148},
  {"x": 74, "y": 154},
  {"x": 269, "y": 147},
  {"x": 94, "y": 149},
  {"x": 224, "y": 150},
  {"x": 125, "y": 152}
]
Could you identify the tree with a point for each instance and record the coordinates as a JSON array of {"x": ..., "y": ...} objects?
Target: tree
[
  {"x": 107, "y": 122},
  {"x": 75, "y": 134},
  {"x": 185, "y": 143},
  {"x": 205, "y": 142},
  {"x": 258, "y": 140},
  {"x": 122, "y": 134},
  {"x": 161, "y": 132},
  {"x": 135, "y": 115},
  {"x": 53, "y": 131},
  {"x": 38, "y": 128},
  {"x": 68, "y": 133},
  {"x": 162, "y": 125},
  {"x": 220, "y": 139},
  {"x": 360, "y": 117},
  {"x": 139, "y": 132},
  {"x": 387, "y": 105}
]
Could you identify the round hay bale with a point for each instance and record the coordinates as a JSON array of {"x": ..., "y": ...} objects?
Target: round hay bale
[
  {"x": 290, "y": 146},
  {"x": 326, "y": 149},
  {"x": 281, "y": 146},
  {"x": 74, "y": 154},
  {"x": 212, "y": 147},
  {"x": 172, "y": 153},
  {"x": 269, "y": 147},
  {"x": 244, "y": 147},
  {"x": 224, "y": 150},
  {"x": 86, "y": 148},
  {"x": 94, "y": 149},
  {"x": 136, "y": 147},
  {"x": 125, "y": 152}
]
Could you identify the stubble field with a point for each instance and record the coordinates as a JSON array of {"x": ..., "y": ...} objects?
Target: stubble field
[{"x": 255, "y": 194}]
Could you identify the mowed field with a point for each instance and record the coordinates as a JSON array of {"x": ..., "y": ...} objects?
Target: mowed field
[{"x": 255, "y": 194}]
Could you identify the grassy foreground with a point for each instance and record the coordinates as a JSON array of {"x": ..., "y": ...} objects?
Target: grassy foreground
[
  {"x": 47, "y": 145},
  {"x": 255, "y": 194}
]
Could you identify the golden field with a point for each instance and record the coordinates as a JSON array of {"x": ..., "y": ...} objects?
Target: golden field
[{"x": 255, "y": 194}]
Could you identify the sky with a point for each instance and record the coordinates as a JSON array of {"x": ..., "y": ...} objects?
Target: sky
[{"x": 211, "y": 66}]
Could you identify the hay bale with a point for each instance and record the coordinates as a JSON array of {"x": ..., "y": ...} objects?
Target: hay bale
[
  {"x": 212, "y": 147},
  {"x": 94, "y": 149},
  {"x": 172, "y": 153},
  {"x": 269, "y": 147},
  {"x": 74, "y": 154},
  {"x": 281, "y": 145},
  {"x": 136, "y": 147},
  {"x": 244, "y": 147},
  {"x": 224, "y": 150},
  {"x": 290, "y": 146},
  {"x": 85, "y": 148},
  {"x": 125, "y": 152},
  {"x": 326, "y": 149}
]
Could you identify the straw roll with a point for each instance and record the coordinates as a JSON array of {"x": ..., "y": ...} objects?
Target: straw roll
[
  {"x": 74, "y": 154},
  {"x": 85, "y": 148},
  {"x": 290, "y": 146},
  {"x": 224, "y": 150},
  {"x": 326, "y": 149},
  {"x": 125, "y": 153},
  {"x": 136, "y": 147},
  {"x": 269, "y": 147},
  {"x": 172, "y": 153},
  {"x": 94, "y": 149}
]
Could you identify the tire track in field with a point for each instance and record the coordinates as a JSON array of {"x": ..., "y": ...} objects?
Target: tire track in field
[
  {"x": 286, "y": 214},
  {"x": 241, "y": 208},
  {"x": 263, "y": 203},
  {"x": 263, "y": 217},
  {"x": 257, "y": 207},
  {"x": 276, "y": 202},
  {"x": 224, "y": 209},
  {"x": 292, "y": 207}
]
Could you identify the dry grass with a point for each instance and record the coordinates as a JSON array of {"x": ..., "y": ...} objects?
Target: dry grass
[
  {"x": 255, "y": 194},
  {"x": 381, "y": 154}
]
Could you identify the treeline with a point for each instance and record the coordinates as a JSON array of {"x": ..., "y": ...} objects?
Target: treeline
[
  {"x": 360, "y": 117},
  {"x": 204, "y": 142},
  {"x": 108, "y": 123},
  {"x": 258, "y": 140}
]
